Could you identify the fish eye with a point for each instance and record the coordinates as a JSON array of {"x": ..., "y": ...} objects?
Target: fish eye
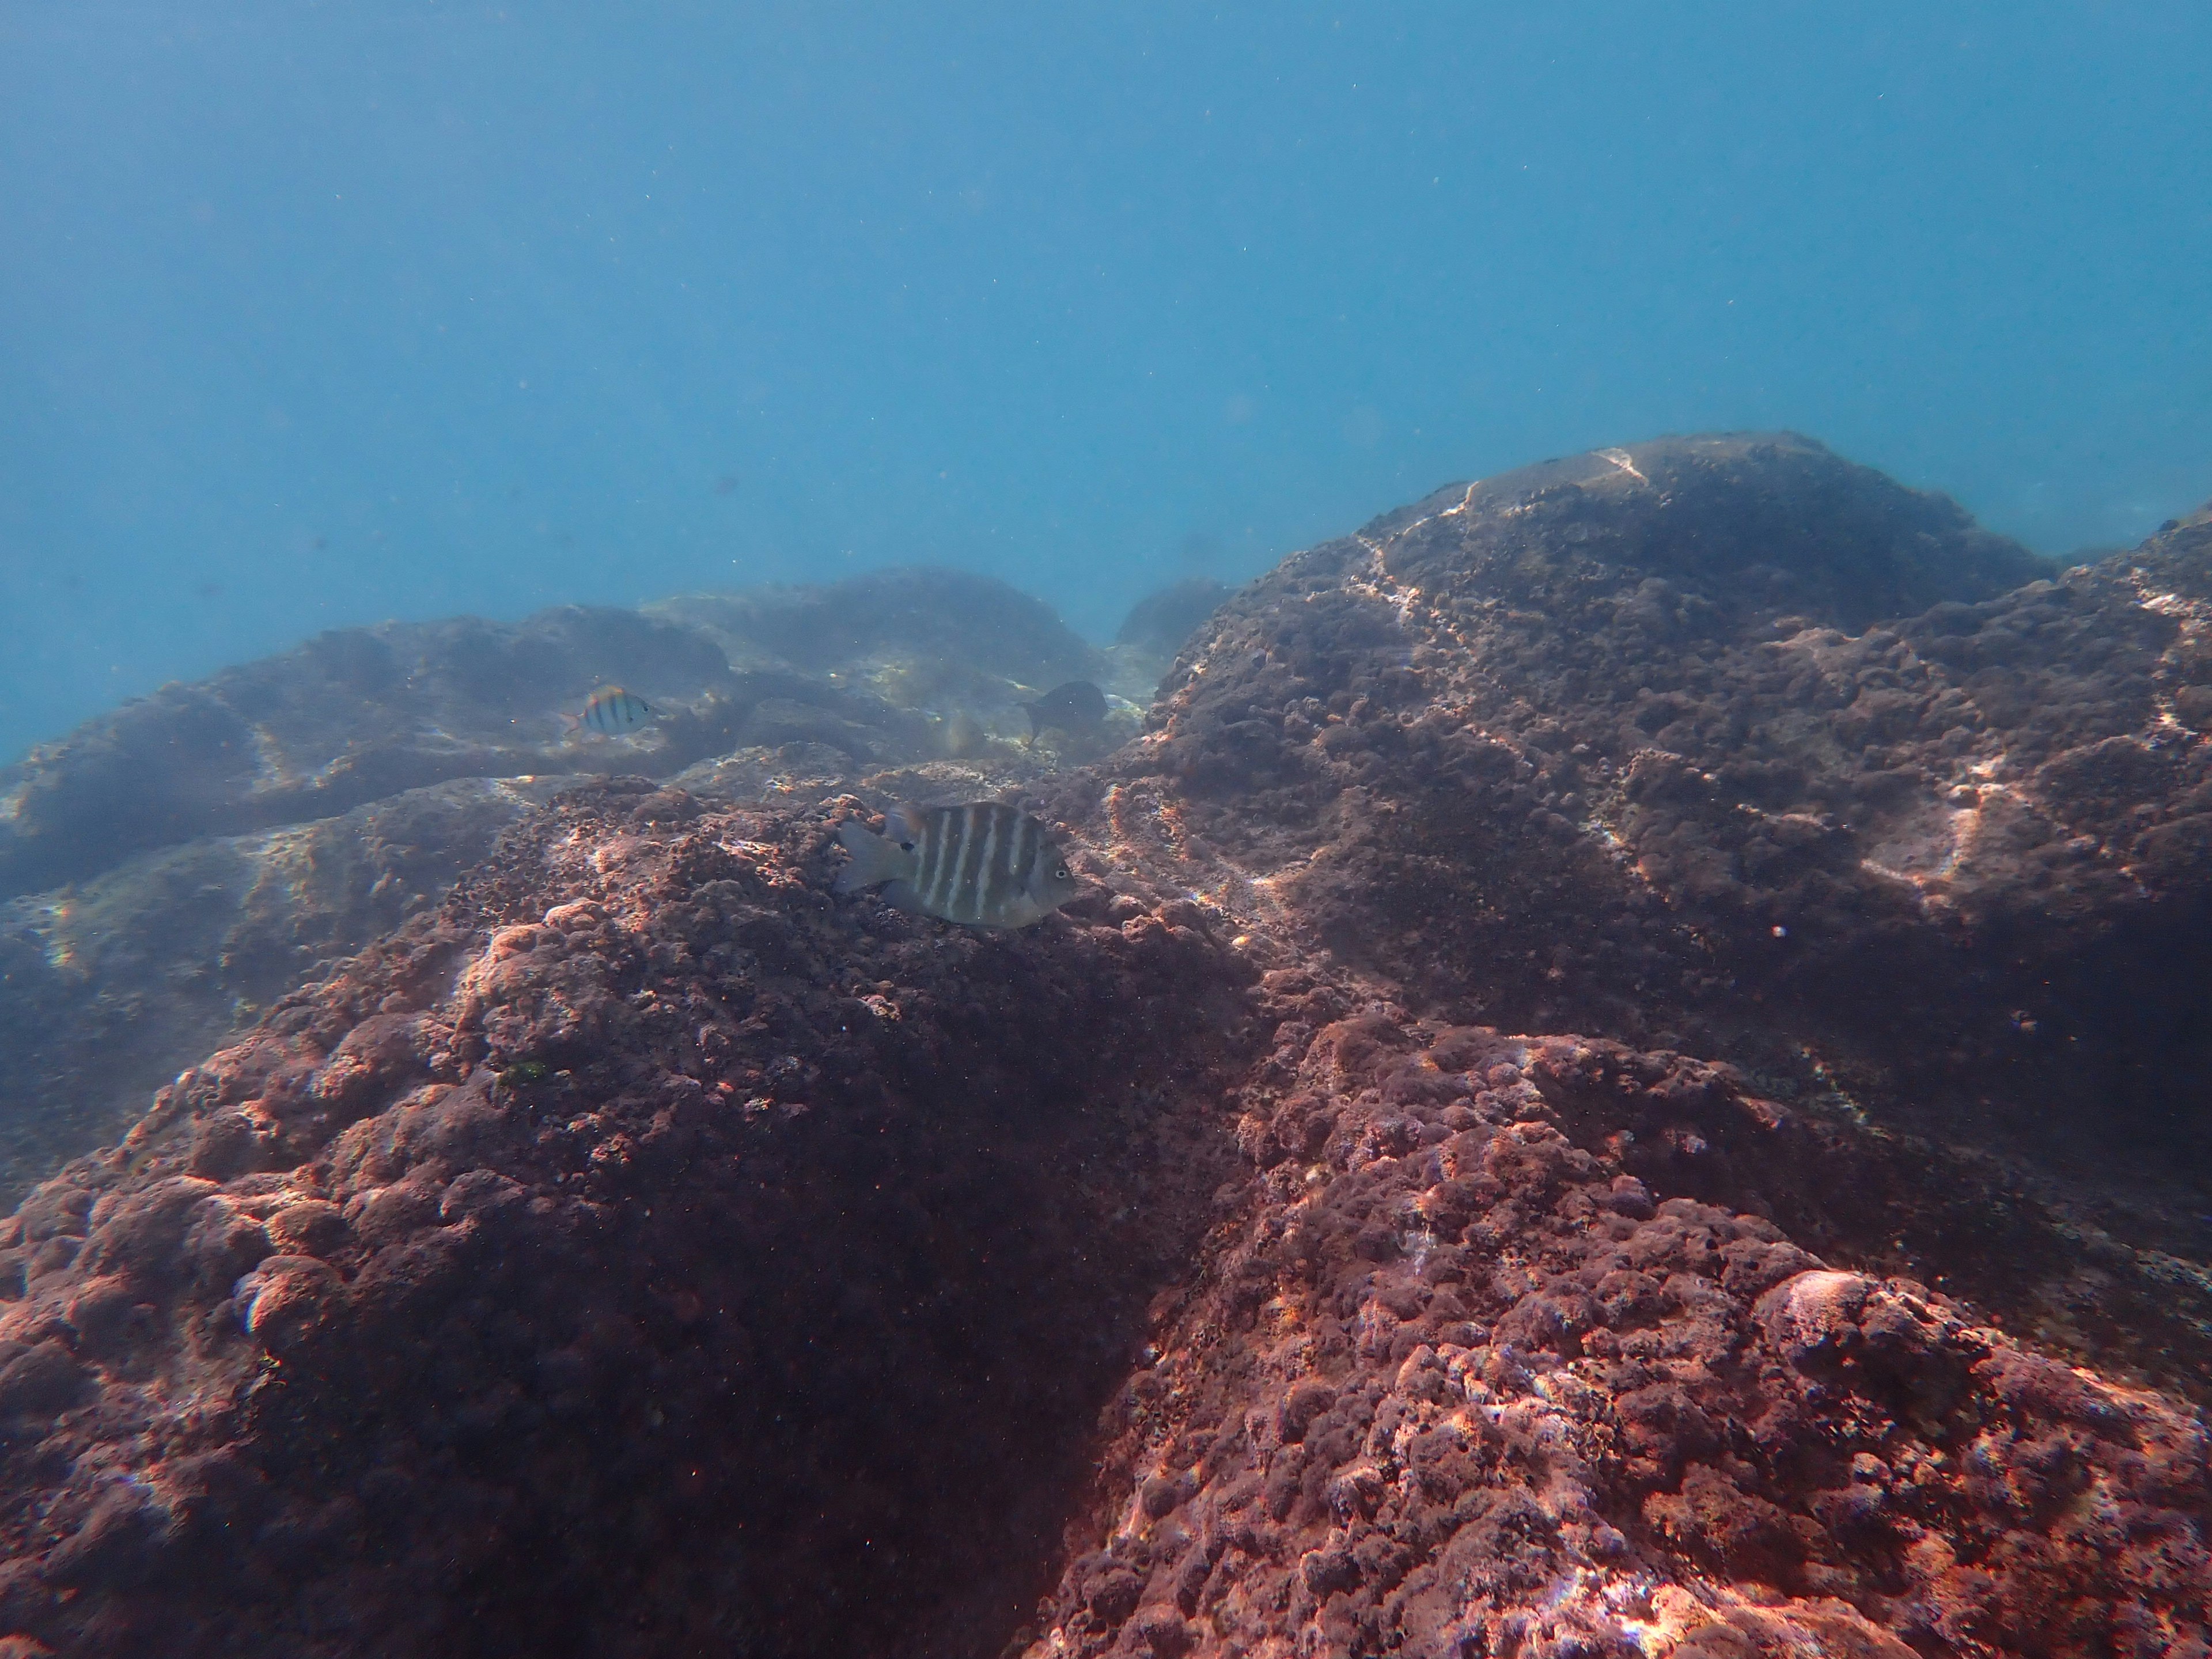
[
  {"x": 906, "y": 847},
  {"x": 1060, "y": 874}
]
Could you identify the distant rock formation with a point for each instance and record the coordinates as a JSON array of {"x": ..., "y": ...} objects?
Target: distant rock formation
[
  {"x": 356, "y": 716},
  {"x": 170, "y": 868},
  {"x": 1161, "y": 622},
  {"x": 951, "y": 625},
  {"x": 645, "y": 1251}
]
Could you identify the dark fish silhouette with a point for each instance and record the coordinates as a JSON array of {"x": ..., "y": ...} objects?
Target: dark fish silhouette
[
  {"x": 1076, "y": 708},
  {"x": 984, "y": 865}
]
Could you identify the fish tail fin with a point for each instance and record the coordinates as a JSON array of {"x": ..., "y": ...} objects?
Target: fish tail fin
[
  {"x": 874, "y": 859},
  {"x": 570, "y": 724}
]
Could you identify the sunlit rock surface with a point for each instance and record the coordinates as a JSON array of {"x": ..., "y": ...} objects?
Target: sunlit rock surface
[
  {"x": 1417, "y": 1203},
  {"x": 1625, "y": 744},
  {"x": 108, "y": 987},
  {"x": 171, "y": 867}
]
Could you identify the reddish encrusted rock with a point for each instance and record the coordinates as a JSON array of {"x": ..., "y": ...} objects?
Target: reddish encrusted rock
[
  {"x": 1461, "y": 1386},
  {"x": 645, "y": 1253},
  {"x": 1723, "y": 743},
  {"x": 651, "y": 1251}
]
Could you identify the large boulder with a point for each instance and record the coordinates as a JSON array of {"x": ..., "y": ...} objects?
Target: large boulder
[
  {"x": 641, "y": 1252},
  {"x": 1728, "y": 743},
  {"x": 1458, "y": 1385},
  {"x": 650, "y": 1251},
  {"x": 354, "y": 715},
  {"x": 939, "y": 626},
  {"x": 108, "y": 987}
]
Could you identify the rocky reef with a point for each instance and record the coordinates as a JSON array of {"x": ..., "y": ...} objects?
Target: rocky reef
[
  {"x": 170, "y": 869},
  {"x": 1625, "y": 1086},
  {"x": 1626, "y": 683},
  {"x": 1460, "y": 1385}
]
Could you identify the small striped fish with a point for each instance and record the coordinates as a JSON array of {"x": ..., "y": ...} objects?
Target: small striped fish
[
  {"x": 982, "y": 865},
  {"x": 612, "y": 712}
]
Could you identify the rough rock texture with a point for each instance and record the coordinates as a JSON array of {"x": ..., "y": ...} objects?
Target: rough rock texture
[
  {"x": 219, "y": 839},
  {"x": 107, "y": 988},
  {"x": 352, "y": 716},
  {"x": 1459, "y": 1387},
  {"x": 1621, "y": 744},
  {"x": 360, "y": 715},
  {"x": 641, "y": 1255},
  {"x": 645, "y": 1252}
]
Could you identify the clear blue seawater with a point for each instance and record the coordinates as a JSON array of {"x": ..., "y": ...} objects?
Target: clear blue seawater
[{"x": 313, "y": 314}]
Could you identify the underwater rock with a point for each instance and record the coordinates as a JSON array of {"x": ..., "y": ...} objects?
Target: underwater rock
[
  {"x": 361, "y": 714},
  {"x": 646, "y": 1251},
  {"x": 1457, "y": 1384},
  {"x": 1158, "y": 626},
  {"x": 937, "y": 626},
  {"x": 1160, "y": 622},
  {"x": 1729, "y": 745},
  {"x": 352, "y": 716},
  {"x": 224, "y": 841},
  {"x": 107, "y": 987},
  {"x": 967, "y": 652},
  {"x": 638, "y": 1200}
]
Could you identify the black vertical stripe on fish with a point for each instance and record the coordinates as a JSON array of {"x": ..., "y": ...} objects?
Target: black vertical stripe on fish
[
  {"x": 955, "y": 844},
  {"x": 968, "y": 906},
  {"x": 613, "y": 711},
  {"x": 992, "y": 883},
  {"x": 1018, "y": 860}
]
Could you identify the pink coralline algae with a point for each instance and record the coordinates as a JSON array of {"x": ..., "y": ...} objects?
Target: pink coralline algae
[
  {"x": 1567, "y": 1124},
  {"x": 1466, "y": 1387}
]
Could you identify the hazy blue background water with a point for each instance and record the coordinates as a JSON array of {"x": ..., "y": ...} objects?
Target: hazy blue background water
[{"x": 313, "y": 314}]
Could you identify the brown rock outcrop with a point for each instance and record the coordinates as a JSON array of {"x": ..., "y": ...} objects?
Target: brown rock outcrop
[
  {"x": 641, "y": 1251},
  {"x": 1724, "y": 744},
  {"x": 170, "y": 867},
  {"x": 648, "y": 1252},
  {"x": 1461, "y": 1387}
]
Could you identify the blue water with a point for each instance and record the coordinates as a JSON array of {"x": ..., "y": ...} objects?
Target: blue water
[{"x": 316, "y": 314}]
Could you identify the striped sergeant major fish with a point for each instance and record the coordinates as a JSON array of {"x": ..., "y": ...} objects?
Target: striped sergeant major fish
[
  {"x": 612, "y": 712},
  {"x": 983, "y": 865}
]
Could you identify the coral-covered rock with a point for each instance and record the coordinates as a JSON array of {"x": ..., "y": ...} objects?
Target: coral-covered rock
[
  {"x": 1458, "y": 1386},
  {"x": 356, "y": 716},
  {"x": 1725, "y": 743},
  {"x": 109, "y": 988},
  {"x": 626, "y": 1252},
  {"x": 225, "y": 842},
  {"x": 646, "y": 1250},
  {"x": 1621, "y": 746}
]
